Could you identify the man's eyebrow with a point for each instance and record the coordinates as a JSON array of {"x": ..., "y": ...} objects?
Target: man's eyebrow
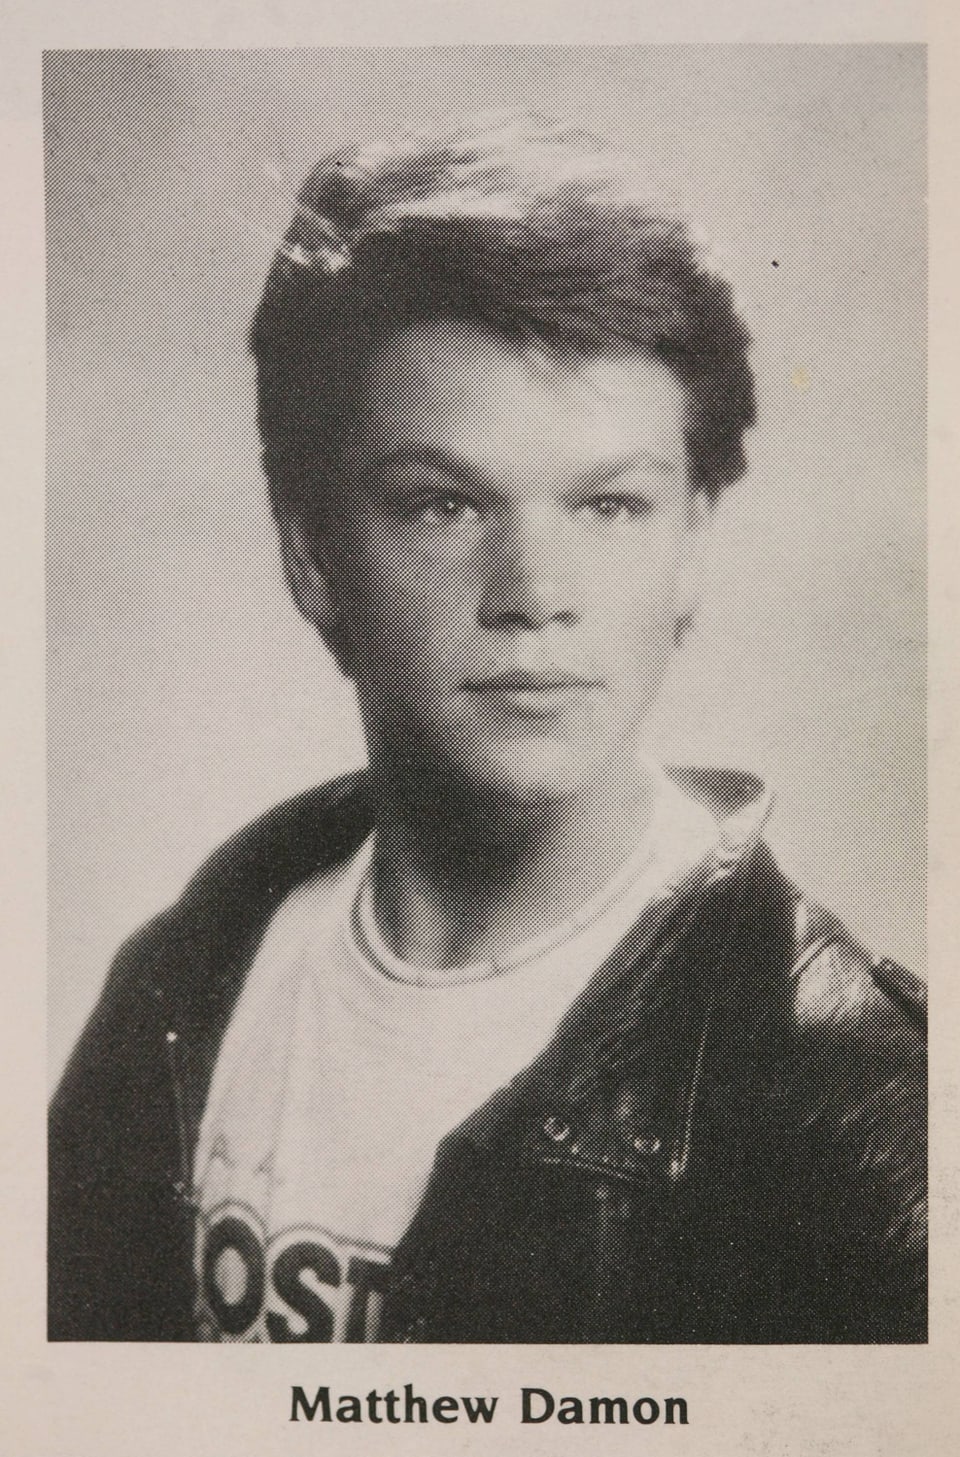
[
  {"x": 608, "y": 471},
  {"x": 429, "y": 455},
  {"x": 604, "y": 473}
]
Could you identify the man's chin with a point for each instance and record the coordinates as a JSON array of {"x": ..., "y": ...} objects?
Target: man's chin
[
  {"x": 508, "y": 780},
  {"x": 532, "y": 778}
]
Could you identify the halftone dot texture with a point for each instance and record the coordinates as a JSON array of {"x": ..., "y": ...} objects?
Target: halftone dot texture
[
  {"x": 740, "y": 1061},
  {"x": 185, "y": 693}
]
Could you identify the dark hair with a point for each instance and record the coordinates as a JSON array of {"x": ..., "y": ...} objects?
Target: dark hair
[{"x": 510, "y": 221}]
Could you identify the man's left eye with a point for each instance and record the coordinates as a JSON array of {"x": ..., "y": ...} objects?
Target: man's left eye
[
  {"x": 447, "y": 506},
  {"x": 619, "y": 507},
  {"x": 435, "y": 507}
]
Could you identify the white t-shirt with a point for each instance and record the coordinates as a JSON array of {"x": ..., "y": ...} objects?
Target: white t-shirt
[{"x": 342, "y": 1069}]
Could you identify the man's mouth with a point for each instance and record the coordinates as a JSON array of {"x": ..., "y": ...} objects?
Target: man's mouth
[
  {"x": 548, "y": 681},
  {"x": 536, "y": 694}
]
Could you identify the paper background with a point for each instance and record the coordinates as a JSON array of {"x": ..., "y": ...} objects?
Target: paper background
[{"x": 75, "y": 1401}]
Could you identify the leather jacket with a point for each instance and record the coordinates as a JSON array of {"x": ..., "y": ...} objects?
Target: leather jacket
[{"x": 724, "y": 1141}]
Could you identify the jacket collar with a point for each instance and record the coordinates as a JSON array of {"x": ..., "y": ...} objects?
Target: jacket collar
[{"x": 739, "y": 801}]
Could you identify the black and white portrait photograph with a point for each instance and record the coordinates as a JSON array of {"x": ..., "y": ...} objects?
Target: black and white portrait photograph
[{"x": 486, "y": 644}]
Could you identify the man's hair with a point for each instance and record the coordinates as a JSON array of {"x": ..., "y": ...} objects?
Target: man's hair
[{"x": 510, "y": 221}]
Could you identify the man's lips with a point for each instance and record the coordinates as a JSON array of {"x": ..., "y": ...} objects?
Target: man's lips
[
  {"x": 524, "y": 682},
  {"x": 532, "y": 696}
]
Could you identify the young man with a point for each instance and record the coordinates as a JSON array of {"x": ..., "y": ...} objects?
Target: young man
[{"x": 514, "y": 1036}]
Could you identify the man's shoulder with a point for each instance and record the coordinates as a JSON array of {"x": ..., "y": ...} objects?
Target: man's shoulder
[
  {"x": 841, "y": 990},
  {"x": 851, "y": 1067},
  {"x": 289, "y": 842},
  {"x": 247, "y": 877},
  {"x": 835, "y": 1033},
  {"x": 198, "y": 943},
  {"x": 802, "y": 960}
]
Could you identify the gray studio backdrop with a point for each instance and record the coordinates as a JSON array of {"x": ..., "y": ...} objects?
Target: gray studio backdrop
[{"x": 185, "y": 693}]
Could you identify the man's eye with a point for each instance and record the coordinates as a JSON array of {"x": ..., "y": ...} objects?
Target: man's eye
[
  {"x": 435, "y": 506},
  {"x": 448, "y": 506},
  {"x": 619, "y": 507}
]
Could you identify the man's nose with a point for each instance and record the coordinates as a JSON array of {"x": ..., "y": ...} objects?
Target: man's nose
[{"x": 528, "y": 573}]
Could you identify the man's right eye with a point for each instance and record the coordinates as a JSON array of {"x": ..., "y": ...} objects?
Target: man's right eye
[{"x": 433, "y": 507}]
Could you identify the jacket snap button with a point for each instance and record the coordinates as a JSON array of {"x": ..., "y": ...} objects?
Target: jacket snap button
[
  {"x": 647, "y": 1145},
  {"x": 556, "y": 1129}
]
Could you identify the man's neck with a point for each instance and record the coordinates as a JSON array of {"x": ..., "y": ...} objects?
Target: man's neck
[{"x": 454, "y": 882}]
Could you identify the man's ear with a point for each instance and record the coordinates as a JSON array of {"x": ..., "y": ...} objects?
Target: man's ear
[
  {"x": 307, "y": 576},
  {"x": 309, "y": 579},
  {"x": 698, "y": 535}
]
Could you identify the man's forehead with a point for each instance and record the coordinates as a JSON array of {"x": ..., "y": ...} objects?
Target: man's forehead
[
  {"x": 442, "y": 358},
  {"x": 443, "y": 378}
]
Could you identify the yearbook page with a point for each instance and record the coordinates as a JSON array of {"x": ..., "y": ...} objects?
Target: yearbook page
[{"x": 480, "y": 544}]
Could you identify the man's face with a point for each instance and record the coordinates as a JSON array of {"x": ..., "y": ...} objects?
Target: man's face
[{"x": 508, "y": 553}]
